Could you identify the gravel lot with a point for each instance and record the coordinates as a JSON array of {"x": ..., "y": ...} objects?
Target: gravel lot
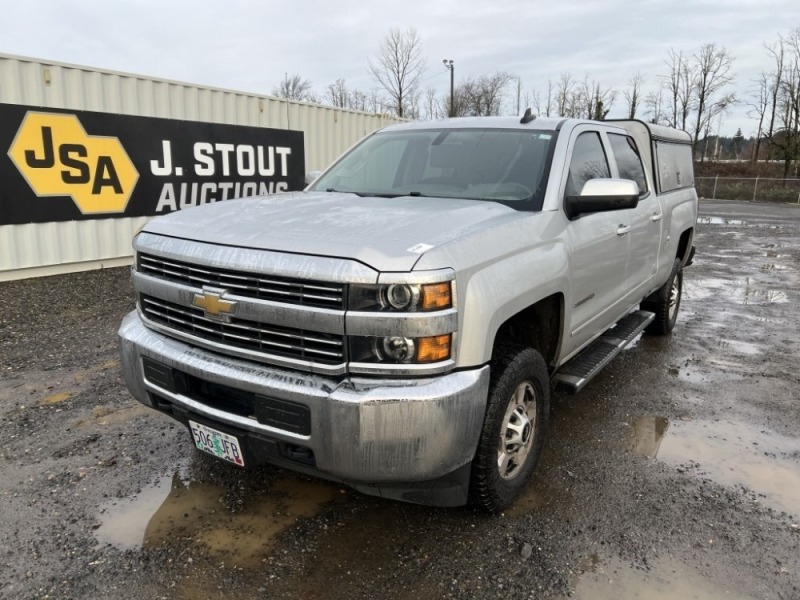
[{"x": 674, "y": 474}]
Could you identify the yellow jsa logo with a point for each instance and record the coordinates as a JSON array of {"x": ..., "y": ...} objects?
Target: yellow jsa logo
[{"x": 58, "y": 158}]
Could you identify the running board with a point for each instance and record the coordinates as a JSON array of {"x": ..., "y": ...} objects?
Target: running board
[{"x": 576, "y": 373}]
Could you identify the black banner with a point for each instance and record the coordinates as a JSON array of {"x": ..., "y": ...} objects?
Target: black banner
[{"x": 64, "y": 165}]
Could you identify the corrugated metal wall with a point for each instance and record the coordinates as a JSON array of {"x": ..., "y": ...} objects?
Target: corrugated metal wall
[{"x": 39, "y": 249}]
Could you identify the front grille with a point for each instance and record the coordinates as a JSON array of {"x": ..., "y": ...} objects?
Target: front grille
[
  {"x": 319, "y": 294},
  {"x": 265, "y": 339}
]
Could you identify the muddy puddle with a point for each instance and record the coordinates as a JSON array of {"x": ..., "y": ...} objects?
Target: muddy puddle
[
  {"x": 769, "y": 267},
  {"x": 701, "y": 376},
  {"x": 741, "y": 291},
  {"x": 720, "y": 221},
  {"x": 732, "y": 454},
  {"x": 197, "y": 514},
  {"x": 666, "y": 579},
  {"x": 759, "y": 295}
]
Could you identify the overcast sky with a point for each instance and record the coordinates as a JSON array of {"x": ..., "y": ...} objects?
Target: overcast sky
[{"x": 249, "y": 45}]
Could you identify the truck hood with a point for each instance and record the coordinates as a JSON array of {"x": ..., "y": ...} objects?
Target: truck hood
[{"x": 387, "y": 234}]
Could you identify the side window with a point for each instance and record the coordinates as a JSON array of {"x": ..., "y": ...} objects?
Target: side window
[
  {"x": 675, "y": 169},
  {"x": 588, "y": 162},
  {"x": 628, "y": 159}
]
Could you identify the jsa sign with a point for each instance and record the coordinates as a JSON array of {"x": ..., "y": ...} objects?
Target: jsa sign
[{"x": 66, "y": 165}]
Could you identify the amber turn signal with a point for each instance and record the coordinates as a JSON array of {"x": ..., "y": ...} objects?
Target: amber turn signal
[
  {"x": 436, "y": 296},
  {"x": 432, "y": 349}
]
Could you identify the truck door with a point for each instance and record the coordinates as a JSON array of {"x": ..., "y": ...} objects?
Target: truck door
[
  {"x": 599, "y": 247},
  {"x": 646, "y": 220}
]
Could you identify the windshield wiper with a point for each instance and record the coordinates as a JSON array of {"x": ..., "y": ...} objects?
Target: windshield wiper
[
  {"x": 360, "y": 194},
  {"x": 376, "y": 194}
]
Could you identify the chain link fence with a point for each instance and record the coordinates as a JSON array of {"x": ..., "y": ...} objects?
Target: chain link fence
[{"x": 764, "y": 189}]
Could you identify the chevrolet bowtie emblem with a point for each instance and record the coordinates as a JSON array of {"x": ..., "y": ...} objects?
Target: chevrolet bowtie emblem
[{"x": 214, "y": 305}]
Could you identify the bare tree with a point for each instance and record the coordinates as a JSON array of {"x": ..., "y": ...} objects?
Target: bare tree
[
  {"x": 549, "y": 101},
  {"x": 633, "y": 94},
  {"x": 433, "y": 108},
  {"x": 398, "y": 67},
  {"x": 679, "y": 83},
  {"x": 775, "y": 83},
  {"x": 786, "y": 138},
  {"x": 412, "y": 110},
  {"x": 655, "y": 106},
  {"x": 338, "y": 95},
  {"x": 518, "y": 92},
  {"x": 564, "y": 95},
  {"x": 541, "y": 104},
  {"x": 359, "y": 101},
  {"x": 294, "y": 87},
  {"x": 375, "y": 103},
  {"x": 712, "y": 75},
  {"x": 759, "y": 105},
  {"x": 587, "y": 100},
  {"x": 482, "y": 96},
  {"x": 534, "y": 100},
  {"x": 490, "y": 89},
  {"x": 598, "y": 100}
]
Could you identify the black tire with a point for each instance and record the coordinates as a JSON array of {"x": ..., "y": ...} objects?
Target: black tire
[
  {"x": 665, "y": 302},
  {"x": 518, "y": 403}
]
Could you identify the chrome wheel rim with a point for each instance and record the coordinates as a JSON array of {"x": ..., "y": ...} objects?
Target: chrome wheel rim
[
  {"x": 674, "y": 297},
  {"x": 518, "y": 431}
]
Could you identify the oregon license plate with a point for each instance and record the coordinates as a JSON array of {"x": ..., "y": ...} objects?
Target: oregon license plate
[{"x": 215, "y": 442}]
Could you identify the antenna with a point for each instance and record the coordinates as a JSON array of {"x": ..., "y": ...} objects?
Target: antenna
[{"x": 527, "y": 117}]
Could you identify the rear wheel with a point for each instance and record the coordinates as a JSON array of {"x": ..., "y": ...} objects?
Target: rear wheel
[
  {"x": 666, "y": 301},
  {"x": 514, "y": 428}
]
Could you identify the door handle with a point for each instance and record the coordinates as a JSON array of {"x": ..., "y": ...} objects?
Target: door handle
[
  {"x": 656, "y": 218},
  {"x": 623, "y": 229}
]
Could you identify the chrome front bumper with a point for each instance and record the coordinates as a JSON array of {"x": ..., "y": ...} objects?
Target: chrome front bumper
[{"x": 362, "y": 430}]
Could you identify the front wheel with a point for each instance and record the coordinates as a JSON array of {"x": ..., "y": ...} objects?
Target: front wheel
[
  {"x": 512, "y": 438},
  {"x": 666, "y": 301}
]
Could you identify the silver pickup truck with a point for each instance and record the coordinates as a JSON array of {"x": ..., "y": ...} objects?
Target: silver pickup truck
[{"x": 398, "y": 325}]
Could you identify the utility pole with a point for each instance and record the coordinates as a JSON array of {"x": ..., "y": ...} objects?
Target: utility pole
[{"x": 448, "y": 64}]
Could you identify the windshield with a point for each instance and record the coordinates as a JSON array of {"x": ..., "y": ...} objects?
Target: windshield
[{"x": 507, "y": 166}]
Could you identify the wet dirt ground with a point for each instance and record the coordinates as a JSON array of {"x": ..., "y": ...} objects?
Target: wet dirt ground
[{"x": 675, "y": 474}]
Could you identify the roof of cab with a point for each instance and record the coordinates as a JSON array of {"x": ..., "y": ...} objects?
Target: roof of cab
[{"x": 541, "y": 123}]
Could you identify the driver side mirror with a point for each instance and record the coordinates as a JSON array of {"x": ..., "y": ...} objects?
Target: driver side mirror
[{"x": 600, "y": 195}]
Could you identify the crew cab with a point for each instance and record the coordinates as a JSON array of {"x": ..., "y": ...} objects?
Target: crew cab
[{"x": 397, "y": 326}]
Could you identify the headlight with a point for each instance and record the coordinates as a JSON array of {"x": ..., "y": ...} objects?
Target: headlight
[
  {"x": 400, "y": 350},
  {"x": 395, "y": 349},
  {"x": 401, "y": 297}
]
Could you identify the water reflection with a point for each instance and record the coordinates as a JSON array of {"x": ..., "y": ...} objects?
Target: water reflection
[
  {"x": 196, "y": 513},
  {"x": 648, "y": 432},
  {"x": 720, "y": 221},
  {"x": 732, "y": 454}
]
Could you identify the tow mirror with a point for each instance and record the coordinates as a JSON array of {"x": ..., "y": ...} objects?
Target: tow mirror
[{"x": 600, "y": 195}]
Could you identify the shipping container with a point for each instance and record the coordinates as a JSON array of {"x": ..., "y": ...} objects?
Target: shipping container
[{"x": 41, "y": 247}]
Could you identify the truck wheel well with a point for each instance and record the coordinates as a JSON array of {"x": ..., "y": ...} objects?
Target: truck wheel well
[
  {"x": 685, "y": 245},
  {"x": 539, "y": 326}
]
